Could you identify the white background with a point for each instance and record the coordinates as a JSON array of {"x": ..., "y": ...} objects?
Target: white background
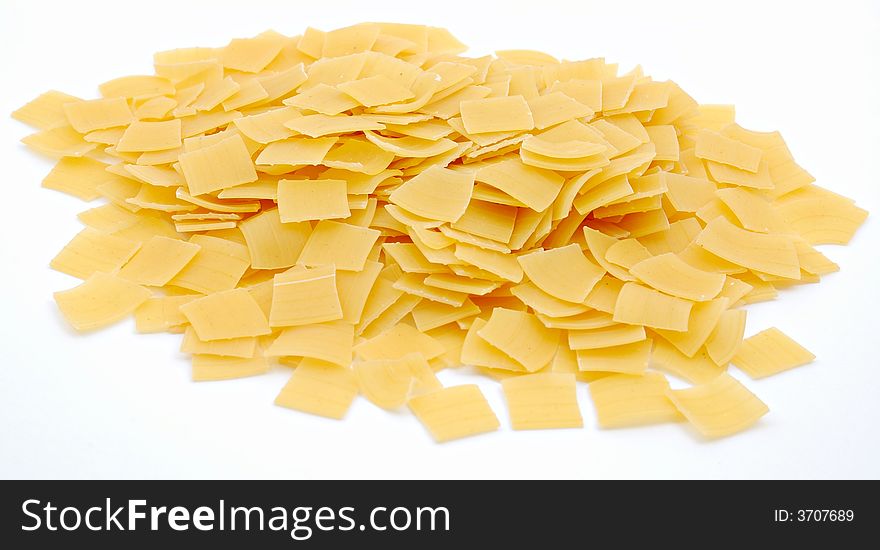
[{"x": 118, "y": 404}]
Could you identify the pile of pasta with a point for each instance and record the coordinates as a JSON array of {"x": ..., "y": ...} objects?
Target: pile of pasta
[{"x": 367, "y": 206}]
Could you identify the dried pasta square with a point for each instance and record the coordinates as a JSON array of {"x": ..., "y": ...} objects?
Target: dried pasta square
[
  {"x": 302, "y": 296},
  {"x": 343, "y": 245},
  {"x": 770, "y": 352},
  {"x": 319, "y": 388},
  {"x": 542, "y": 401},
  {"x": 304, "y": 200},
  {"x": 455, "y": 412}
]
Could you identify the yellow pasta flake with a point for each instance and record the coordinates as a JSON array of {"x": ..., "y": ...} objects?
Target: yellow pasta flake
[
  {"x": 331, "y": 342},
  {"x": 627, "y": 358},
  {"x": 389, "y": 382},
  {"x": 761, "y": 179},
  {"x": 318, "y": 125},
  {"x": 323, "y": 99},
  {"x": 720, "y": 407},
  {"x": 411, "y": 147},
  {"x": 429, "y": 314},
  {"x": 218, "y": 265},
  {"x": 410, "y": 259},
  {"x": 162, "y": 313},
  {"x": 429, "y": 129},
  {"x": 208, "y": 202},
  {"x": 703, "y": 318},
  {"x": 304, "y": 200},
  {"x": 480, "y": 353},
  {"x": 452, "y": 338},
  {"x": 413, "y": 283},
  {"x": 562, "y": 272},
  {"x": 154, "y": 175},
  {"x": 665, "y": 139},
  {"x": 697, "y": 369},
  {"x": 541, "y": 401},
  {"x": 97, "y": 114},
  {"x": 268, "y": 126},
  {"x": 770, "y": 352},
  {"x": 455, "y": 412},
  {"x": 45, "y": 111},
  {"x": 624, "y": 400},
  {"x": 676, "y": 238},
  {"x": 110, "y": 136},
  {"x": 227, "y": 314},
  {"x": 163, "y": 199},
  {"x": 334, "y": 243},
  {"x": 244, "y": 347},
  {"x": 753, "y": 211},
  {"x": 603, "y": 337},
  {"x": 646, "y": 96},
  {"x": 734, "y": 289},
  {"x": 150, "y": 136},
  {"x": 271, "y": 243},
  {"x": 58, "y": 142},
  {"x": 468, "y": 238},
  {"x": 223, "y": 164},
  {"x": 716, "y": 147},
  {"x": 296, "y": 151},
  {"x": 554, "y": 108},
  {"x": 437, "y": 193},
  {"x": 496, "y": 114},
  {"x": 397, "y": 342},
  {"x": 627, "y": 253},
  {"x": 158, "y": 261},
  {"x": 772, "y": 254},
  {"x": 209, "y": 368},
  {"x": 205, "y": 122},
  {"x": 727, "y": 336},
  {"x": 302, "y": 296},
  {"x": 688, "y": 193},
  {"x": 359, "y": 156},
  {"x": 282, "y": 83},
  {"x": 382, "y": 295},
  {"x": 354, "y": 290},
  {"x": 529, "y": 294},
  {"x": 319, "y": 388},
  {"x": 588, "y": 320},
  {"x": 459, "y": 283},
  {"x": 588, "y": 92},
  {"x": 535, "y": 187},
  {"x": 393, "y": 315},
  {"x": 91, "y": 251},
  {"x": 715, "y": 117},
  {"x": 265, "y": 188},
  {"x": 100, "y": 300},
  {"x": 194, "y": 226},
  {"x": 250, "y": 54},
  {"x": 621, "y": 140},
  {"x": 487, "y": 220},
  {"x": 498, "y": 264},
  {"x": 821, "y": 217},
  {"x": 215, "y": 92},
  {"x": 79, "y": 177},
  {"x": 350, "y": 40},
  {"x": 542, "y": 146},
  {"x": 639, "y": 305},
  {"x": 602, "y": 193},
  {"x": 669, "y": 274},
  {"x": 376, "y": 90},
  {"x": 521, "y": 336}
]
